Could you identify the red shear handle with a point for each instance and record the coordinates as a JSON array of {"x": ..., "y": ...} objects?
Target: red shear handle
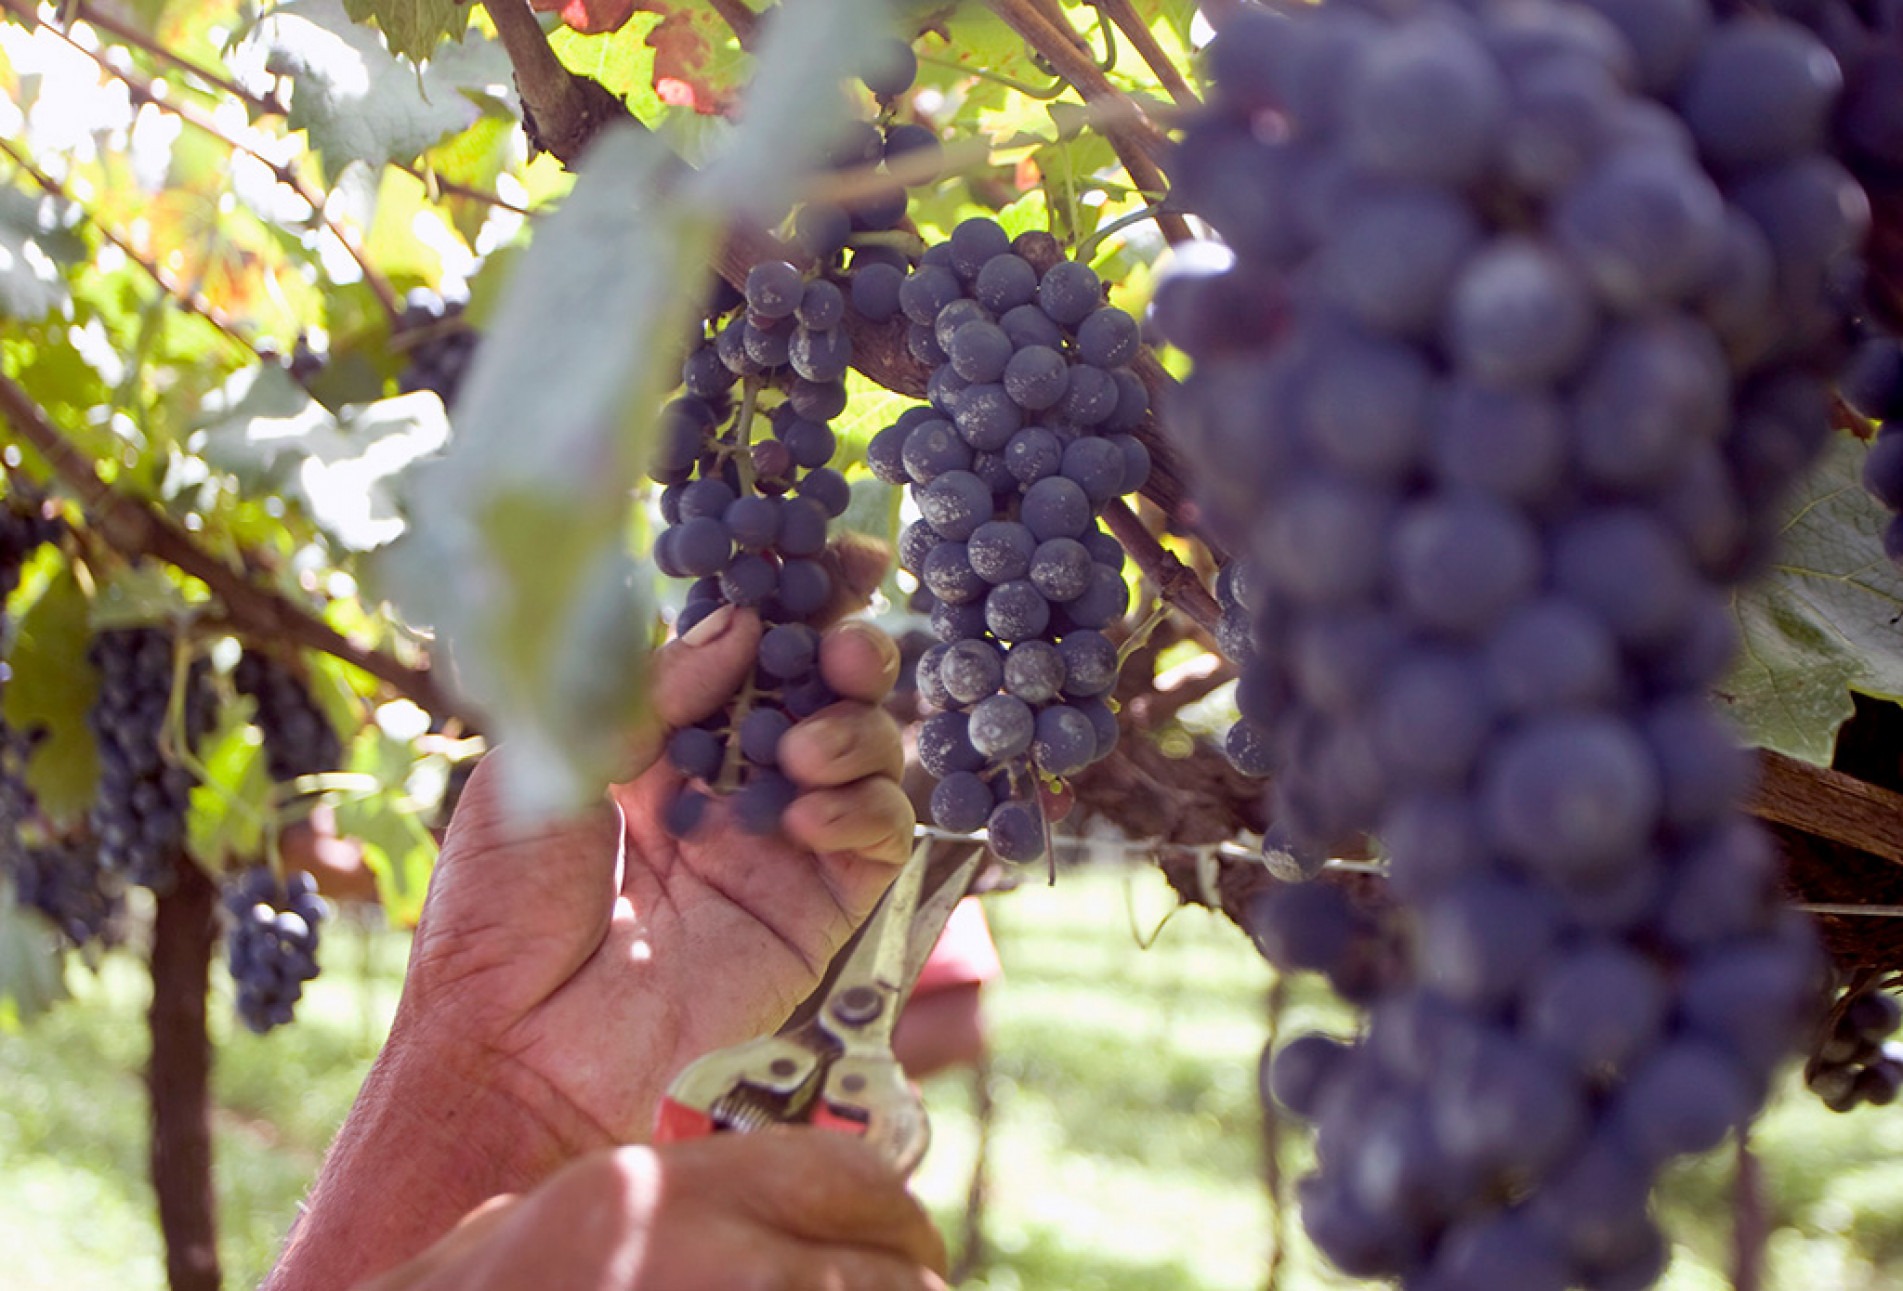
[{"x": 677, "y": 1122}]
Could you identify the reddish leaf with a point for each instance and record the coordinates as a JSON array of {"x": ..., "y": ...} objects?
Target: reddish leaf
[
  {"x": 589, "y": 17},
  {"x": 691, "y": 68},
  {"x": 697, "y": 63}
]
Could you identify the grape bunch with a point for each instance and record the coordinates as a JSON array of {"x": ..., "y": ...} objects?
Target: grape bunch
[
  {"x": 138, "y": 816},
  {"x": 1856, "y": 1061},
  {"x": 747, "y": 518},
  {"x": 1872, "y": 383},
  {"x": 299, "y": 739},
  {"x": 1025, "y": 439},
  {"x": 62, "y": 880},
  {"x": 868, "y": 224},
  {"x": 271, "y": 943},
  {"x": 1530, "y": 323},
  {"x": 440, "y": 345},
  {"x": 1867, "y": 40}
]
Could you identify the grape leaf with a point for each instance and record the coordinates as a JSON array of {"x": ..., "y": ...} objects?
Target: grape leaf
[
  {"x": 51, "y": 689},
  {"x": 517, "y": 553},
  {"x": 1826, "y": 620},
  {"x": 413, "y": 28},
  {"x": 225, "y": 827},
  {"x": 356, "y": 100},
  {"x": 518, "y": 549},
  {"x": 696, "y": 61},
  {"x": 32, "y": 249},
  {"x": 397, "y": 846},
  {"x": 31, "y": 976},
  {"x": 348, "y": 471}
]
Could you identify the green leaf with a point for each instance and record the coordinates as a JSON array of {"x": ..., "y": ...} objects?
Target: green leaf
[
  {"x": 354, "y": 97},
  {"x": 1824, "y": 621},
  {"x": 51, "y": 689},
  {"x": 517, "y": 554},
  {"x": 414, "y": 28},
  {"x": 397, "y": 847},
  {"x": 229, "y": 810},
  {"x": 348, "y": 471},
  {"x": 32, "y": 979},
  {"x": 33, "y": 249}
]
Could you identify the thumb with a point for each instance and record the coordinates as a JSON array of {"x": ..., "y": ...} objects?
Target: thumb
[{"x": 697, "y": 674}]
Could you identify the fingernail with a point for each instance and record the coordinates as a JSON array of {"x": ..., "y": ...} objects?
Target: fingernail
[
  {"x": 711, "y": 628},
  {"x": 887, "y": 649}
]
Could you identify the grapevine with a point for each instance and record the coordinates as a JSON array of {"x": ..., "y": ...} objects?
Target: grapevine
[{"x": 1451, "y": 387}]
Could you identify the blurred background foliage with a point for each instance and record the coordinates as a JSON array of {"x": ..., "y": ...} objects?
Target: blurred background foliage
[{"x": 1124, "y": 1147}]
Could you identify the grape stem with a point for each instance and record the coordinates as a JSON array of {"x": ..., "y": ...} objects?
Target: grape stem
[
  {"x": 175, "y": 745},
  {"x": 1140, "y": 635},
  {"x": 1057, "y": 86},
  {"x": 732, "y": 757},
  {"x": 743, "y": 433}
]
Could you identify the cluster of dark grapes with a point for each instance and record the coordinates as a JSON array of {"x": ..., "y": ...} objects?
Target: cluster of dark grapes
[
  {"x": 1872, "y": 383},
  {"x": 1856, "y": 1062},
  {"x": 1531, "y": 323},
  {"x": 299, "y": 740},
  {"x": 825, "y": 230},
  {"x": 1010, "y": 464},
  {"x": 747, "y": 517},
  {"x": 271, "y": 943},
  {"x": 60, "y": 879},
  {"x": 138, "y": 817},
  {"x": 441, "y": 348},
  {"x": 1867, "y": 40}
]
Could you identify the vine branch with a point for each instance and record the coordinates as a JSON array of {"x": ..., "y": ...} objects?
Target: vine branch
[
  {"x": 1138, "y": 143},
  {"x": 1175, "y": 582},
  {"x": 561, "y": 111},
  {"x": 1131, "y": 24},
  {"x": 136, "y": 530}
]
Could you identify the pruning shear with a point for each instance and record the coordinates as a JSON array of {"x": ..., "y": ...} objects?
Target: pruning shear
[{"x": 835, "y": 1070}]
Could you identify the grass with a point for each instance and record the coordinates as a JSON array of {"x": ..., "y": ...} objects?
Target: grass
[{"x": 1125, "y": 1149}]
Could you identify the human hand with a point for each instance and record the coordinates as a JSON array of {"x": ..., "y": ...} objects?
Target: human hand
[
  {"x": 562, "y": 973},
  {"x": 793, "y": 1210},
  {"x": 583, "y": 964}
]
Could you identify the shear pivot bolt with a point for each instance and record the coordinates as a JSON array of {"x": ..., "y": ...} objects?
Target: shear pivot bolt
[{"x": 858, "y": 1006}]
